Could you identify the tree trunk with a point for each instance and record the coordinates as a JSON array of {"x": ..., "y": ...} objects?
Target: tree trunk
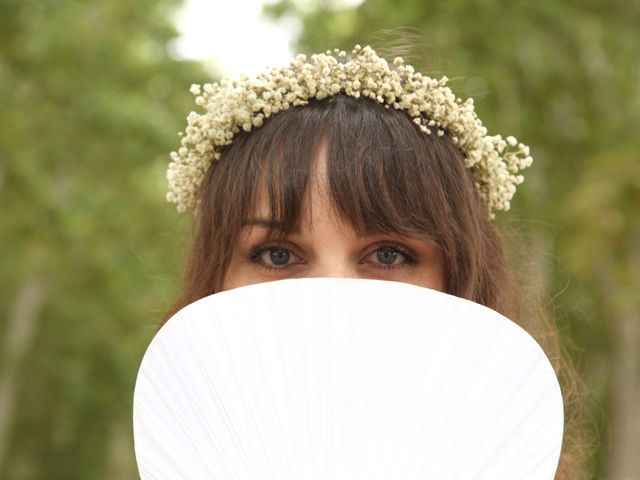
[
  {"x": 624, "y": 462},
  {"x": 625, "y": 416},
  {"x": 20, "y": 333}
]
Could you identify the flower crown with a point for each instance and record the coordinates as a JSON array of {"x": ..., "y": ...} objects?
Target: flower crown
[{"x": 232, "y": 105}]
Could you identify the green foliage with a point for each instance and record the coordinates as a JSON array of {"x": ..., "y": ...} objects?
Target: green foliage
[{"x": 91, "y": 106}]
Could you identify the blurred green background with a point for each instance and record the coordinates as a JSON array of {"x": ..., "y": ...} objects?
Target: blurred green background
[{"x": 90, "y": 253}]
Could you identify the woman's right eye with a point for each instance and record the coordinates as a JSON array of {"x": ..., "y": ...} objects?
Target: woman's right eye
[{"x": 273, "y": 257}]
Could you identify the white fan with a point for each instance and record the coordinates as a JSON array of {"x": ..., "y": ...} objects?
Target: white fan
[{"x": 344, "y": 379}]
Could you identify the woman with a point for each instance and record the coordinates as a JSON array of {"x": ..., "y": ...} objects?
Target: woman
[{"x": 348, "y": 166}]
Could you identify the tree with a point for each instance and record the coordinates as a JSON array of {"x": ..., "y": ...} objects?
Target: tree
[{"x": 92, "y": 103}]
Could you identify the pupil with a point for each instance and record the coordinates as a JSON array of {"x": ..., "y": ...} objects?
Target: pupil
[
  {"x": 387, "y": 256},
  {"x": 279, "y": 256}
]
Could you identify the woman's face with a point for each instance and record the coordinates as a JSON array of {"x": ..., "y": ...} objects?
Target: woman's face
[{"x": 326, "y": 246}]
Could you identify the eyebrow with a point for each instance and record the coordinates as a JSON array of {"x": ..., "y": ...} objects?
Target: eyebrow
[{"x": 267, "y": 223}]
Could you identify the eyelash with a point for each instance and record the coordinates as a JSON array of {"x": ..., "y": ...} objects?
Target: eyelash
[{"x": 410, "y": 260}]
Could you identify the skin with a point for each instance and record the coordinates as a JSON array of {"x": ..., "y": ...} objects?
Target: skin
[{"x": 327, "y": 246}]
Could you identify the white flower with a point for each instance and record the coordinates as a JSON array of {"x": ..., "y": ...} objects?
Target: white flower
[{"x": 234, "y": 105}]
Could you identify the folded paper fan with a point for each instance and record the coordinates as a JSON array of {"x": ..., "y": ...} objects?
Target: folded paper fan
[{"x": 344, "y": 379}]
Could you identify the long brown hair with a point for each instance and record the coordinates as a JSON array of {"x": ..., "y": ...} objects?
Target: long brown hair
[{"x": 385, "y": 176}]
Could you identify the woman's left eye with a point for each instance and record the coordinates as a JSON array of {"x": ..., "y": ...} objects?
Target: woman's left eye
[{"x": 391, "y": 256}]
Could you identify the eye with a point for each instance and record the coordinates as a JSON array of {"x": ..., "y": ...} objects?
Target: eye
[
  {"x": 273, "y": 257},
  {"x": 391, "y": 256}
]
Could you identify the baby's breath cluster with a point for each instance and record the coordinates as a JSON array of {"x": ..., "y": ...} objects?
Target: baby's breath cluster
[{"x": 243, "y": 104}]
